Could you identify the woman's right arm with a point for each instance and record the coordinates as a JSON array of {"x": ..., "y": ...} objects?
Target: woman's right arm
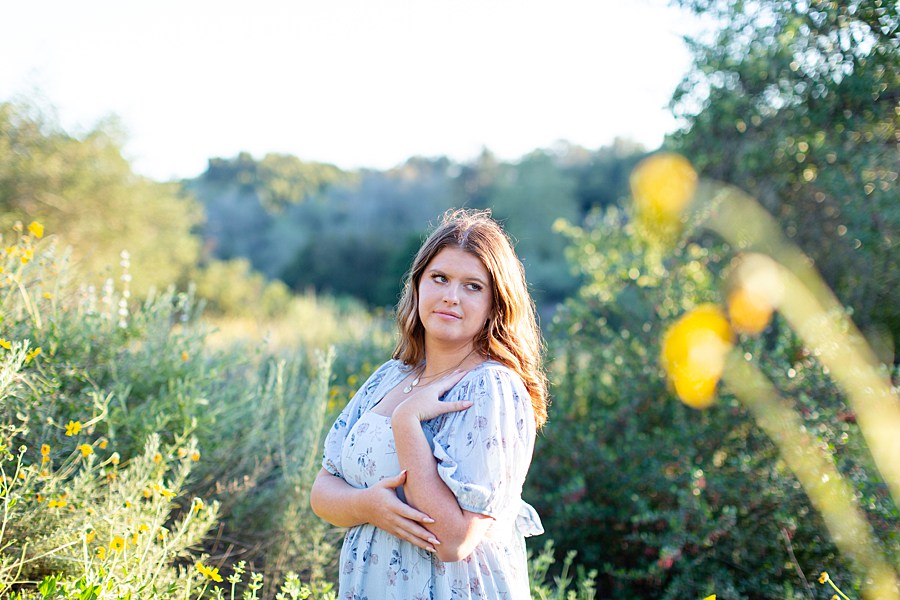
[{"x": 342, "y": 505}]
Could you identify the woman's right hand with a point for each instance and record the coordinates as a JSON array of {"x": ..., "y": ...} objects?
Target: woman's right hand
[{"x": 388, "y": 512}]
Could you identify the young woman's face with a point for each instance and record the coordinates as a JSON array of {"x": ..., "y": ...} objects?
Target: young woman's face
[{"x": 455, "y": 298}]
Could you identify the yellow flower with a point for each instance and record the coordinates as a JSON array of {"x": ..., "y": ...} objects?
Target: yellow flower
[
  {"x": 5, "y": 344},
  {"x": 39, "y": 498},
  {"x": 185, "y": 356},
  {"x": 134, "y": 539},
  {"x": 198, "y": 504},
  {"x": 45, "y": 449},
  {"x": 757, "y": 288},
  {"x": 713, "y": 597},
  {"x": 86, "y": 450},
  {"x": 117, "y": 543},
  {"x": 103, "y": 443},
  {"x": 157, "y": 458},
  {"x": 56, "y": 503},
  {"x": 823, "y": 578},
  {"x": 73, "y": 428},
  {"x": 44, "y": 473},
  {"x": 143, "y": 528},
  {"x": 662, "y": 185},
  {"x": 195, "y": 455},
  {"x": 146, "y": 492},
  {"x": 182, "y": 452},
  {"x": 693, "y": 354},
  {"x": 89, "y": 536},
  {"x": 162, "y": 535},
  {"x": 115, "y": 458},
  {"x": 749, "y": 312},
  {"x": 32, "y": 354},
  {"x": 165, "y": 493},
  {"x": 36, "y": 229},
  {"x": 101, "y": 552},
  {"x": 210, "y": 573}
]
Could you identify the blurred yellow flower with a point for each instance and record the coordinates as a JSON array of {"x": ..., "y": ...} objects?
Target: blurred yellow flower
[
  {"x": 32, "y": 354},
  {"x": 5, "y": 344},
  {"x": 162, "y": 535},
  {"x": 89, "y": 536},
  {"x": 662, "y": 185},
  {"x": 117, "y": 543},
  {"x": 86, "y": 450},
  {"x": 73, "y": 428},
  {"x": 143, "y": 528},
  {"x": 165, "y": 493},
  {"x": 195, "y": 455},
  {"x": 757, "y": 289},
  {"x": 36, "y": 229},
  {"x": 114, "y": 458},
  {"x": 56, "y": 503},
  {"x": 101, "y": 552},
  {"x": 210, "y": 573},
  {"x": 45, "y": 449},
  {"x": 693, "y": 354},
  {"x": 185, "y": 356},
  {"x": 103, "y": 443},
  {"x": 146, "y": 492},
  {"x": 182, "y": 452},
  {"x": 748, "y": 311},
  {"x": 198, "y": 504},
  {"x": 157, "y": 458},
  {"x": 823, "y": 578}
]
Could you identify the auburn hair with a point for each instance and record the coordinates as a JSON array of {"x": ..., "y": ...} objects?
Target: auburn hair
[{"x": 511, "y": 335}]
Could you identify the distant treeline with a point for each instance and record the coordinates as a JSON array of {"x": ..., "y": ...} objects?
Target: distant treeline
[{"x": 354, "y": 233}]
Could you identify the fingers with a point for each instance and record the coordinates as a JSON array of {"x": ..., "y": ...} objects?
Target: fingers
[{"x": 395, "y": 481}]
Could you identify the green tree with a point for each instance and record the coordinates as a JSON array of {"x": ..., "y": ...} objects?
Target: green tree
[
  {"x": 84, "y": 189},
  {"x": 796, "y": 102}
]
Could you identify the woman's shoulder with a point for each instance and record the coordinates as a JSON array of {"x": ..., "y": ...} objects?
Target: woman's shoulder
[{"x": 492, "y": 374}]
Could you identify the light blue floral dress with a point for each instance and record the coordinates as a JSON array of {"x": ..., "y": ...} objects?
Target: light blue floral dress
[{"x": 483, "y": 454}]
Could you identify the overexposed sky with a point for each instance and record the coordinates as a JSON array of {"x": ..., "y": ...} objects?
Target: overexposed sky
[{"x": 357, "y": 83}]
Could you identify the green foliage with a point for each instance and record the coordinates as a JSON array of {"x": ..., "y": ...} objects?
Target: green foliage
[
  {"x": 795, "y": 102},
  {"x": 84, "y": 189},
  {"x": 94, "y": 376},
  {"x": 663, "y": 499}
]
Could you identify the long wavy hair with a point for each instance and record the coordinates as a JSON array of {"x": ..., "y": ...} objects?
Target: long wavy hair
[{"x": 511, "y": 335}]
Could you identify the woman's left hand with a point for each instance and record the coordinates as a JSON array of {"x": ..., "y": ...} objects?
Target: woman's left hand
[{"x": 424, "y": 404}]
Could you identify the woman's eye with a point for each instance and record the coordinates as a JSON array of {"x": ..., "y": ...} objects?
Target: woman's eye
[
  {"x": 439, "y": 278},
  {"x": 474, "y": 287}
]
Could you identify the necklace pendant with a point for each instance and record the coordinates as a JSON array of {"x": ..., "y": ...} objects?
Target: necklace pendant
[{"x": 411, "y": 385}]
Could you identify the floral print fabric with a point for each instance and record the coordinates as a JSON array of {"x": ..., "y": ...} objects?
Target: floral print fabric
[{"x": 483, "y": 455}]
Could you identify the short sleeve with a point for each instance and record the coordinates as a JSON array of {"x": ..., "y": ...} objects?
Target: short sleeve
[
  {"x": 360, "y": 402},
  {"x": 484, "y": 452}
]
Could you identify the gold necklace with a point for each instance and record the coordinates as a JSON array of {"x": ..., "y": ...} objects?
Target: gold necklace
[{"x": 408, "y": 388}]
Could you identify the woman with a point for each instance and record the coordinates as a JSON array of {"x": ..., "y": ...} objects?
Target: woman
[{"x": 426, "y": 463}]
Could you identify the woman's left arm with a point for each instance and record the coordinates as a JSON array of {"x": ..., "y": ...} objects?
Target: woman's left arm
[{"x": 457, "y": 529}]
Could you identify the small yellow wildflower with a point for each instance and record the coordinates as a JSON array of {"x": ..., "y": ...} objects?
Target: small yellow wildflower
[
  {"x": 185, "y": 356},
  {"x": 44, "y": 473},
  {"x": 101, "y": 552},
  {"x": 73, "y": 428},
  {"x": 56, "y": 503},
  {"x": 195, "y": 455},
  {"x": 198, "y": 504},
  {"x": 21, "y": 475},
  {"x": 693, "y": 354},
  {"x": 157, "y": 458},
  {"x": 662, "y": 185},
  {"x": 5, "y": 344},
  {"x": 103, "y": 443},
  {"x": 713, "y": 597},
  {"x": 36, "y": 229},
  {"x": 134, "y": 539},
  {"x": 166, "y": 493},
  {"x": 86, "y": 450},
  {"x": 143, "y": 528},
  {"x": 210, "y": 573},
  {"x": 182, "y": 452},
  {"x": 115, "y": 458},
  {"x": 117, "y": 543},
  {"x": 36, "y": 352},
  {"x": 128, "y": 504},
  {"x": 47, "y": 296},
  {"x": 146, "y": 492},
  {"x": 45, "y": 449},
  {"x": 39, "y": 498},
  {"x": 89, "y": 536},
  {"x": 823, "y": 578},
  {"x": 162, "y": 535}
]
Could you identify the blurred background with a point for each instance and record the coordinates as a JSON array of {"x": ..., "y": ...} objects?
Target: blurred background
[{"x": 243, "y": 187}]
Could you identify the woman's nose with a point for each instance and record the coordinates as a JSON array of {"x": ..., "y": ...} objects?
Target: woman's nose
[{"x": 450, "y": 294}]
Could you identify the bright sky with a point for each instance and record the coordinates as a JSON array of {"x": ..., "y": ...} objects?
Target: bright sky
[{"x": 357, "y": 83}]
